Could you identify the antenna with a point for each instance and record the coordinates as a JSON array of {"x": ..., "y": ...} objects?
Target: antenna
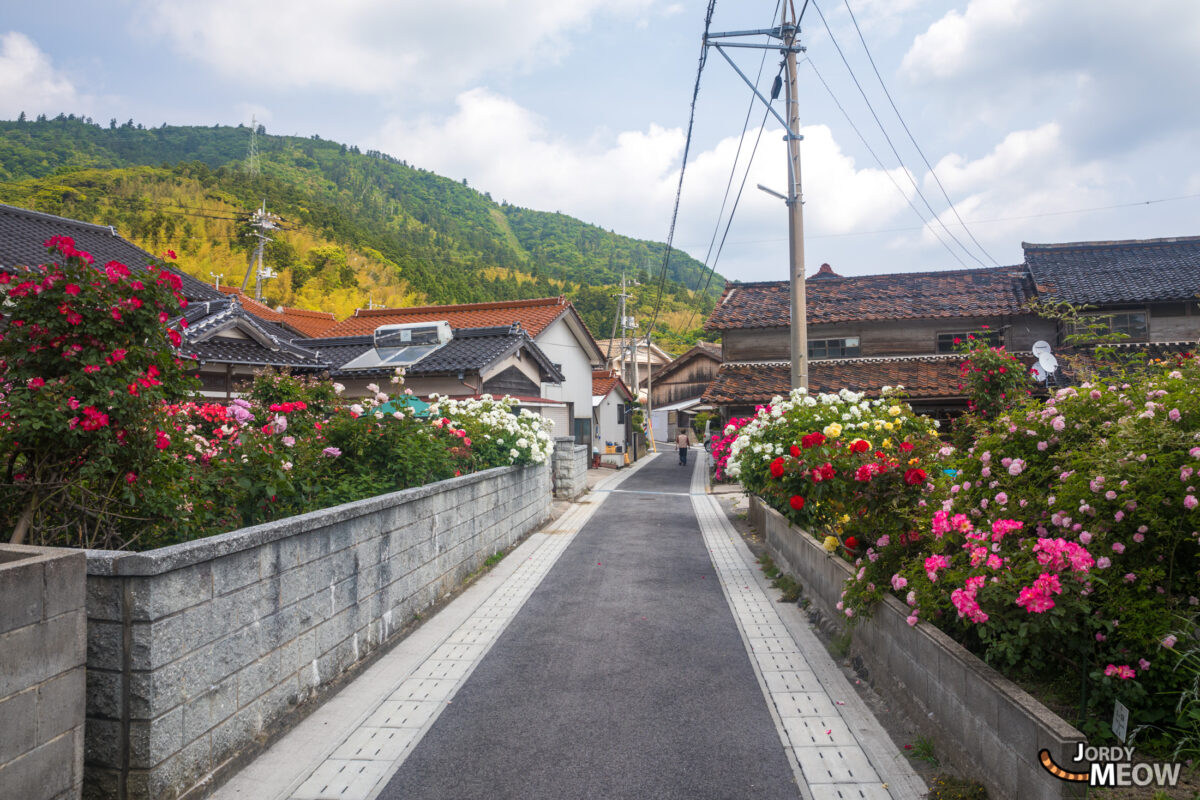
[
  {"x": 218, "y": 277},
  {"x": 252, "y": 153},
  {"x": 1047, "y": 364}
]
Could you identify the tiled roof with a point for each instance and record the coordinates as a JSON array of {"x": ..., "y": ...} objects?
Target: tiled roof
[
  {"x": 23, "y": 235},
  {"x": 910, "y": 295},
  {"x": 303, "y": 321},
  {"x": 267, "y": 344},
  {"x": 309, "y": 323},
  {"x": 471, "y": 350},
  {"x": 923, "y": 377},
  {"x": 605, "y": 380},
  {"x": 1136, "y": 271},
  {"x": 533, "y": 315}
]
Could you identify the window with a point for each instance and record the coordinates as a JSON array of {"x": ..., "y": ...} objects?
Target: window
[
  {"x": 945, "y": 341},
  {"x": 1130, "y": 323},
  {"x": 833, "y": 348}
]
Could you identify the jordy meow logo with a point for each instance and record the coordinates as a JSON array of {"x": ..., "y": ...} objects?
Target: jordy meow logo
[{"x": 1113, "y": 766}]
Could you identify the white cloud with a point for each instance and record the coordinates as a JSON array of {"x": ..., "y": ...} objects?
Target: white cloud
[
  {"x": 627, "y": 182},
  {"x": 1112, "y": 74},
  {"x": 375, "y": 46},
  {"x": 29, "y": 82},
  {"x": 1020, "y": 188}
]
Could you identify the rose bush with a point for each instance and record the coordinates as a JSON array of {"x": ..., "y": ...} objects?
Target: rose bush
[
  {"x": 839, "y": 463},
  {"x": 1065, "y": 542},
  {"x": 88, "y": 357},
  {"x": 104, "y": 444}
]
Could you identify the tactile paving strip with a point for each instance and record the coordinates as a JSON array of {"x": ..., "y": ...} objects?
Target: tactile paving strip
[
  {"x": 362, "y": 763},
  {"x": 820, "y": 743}
]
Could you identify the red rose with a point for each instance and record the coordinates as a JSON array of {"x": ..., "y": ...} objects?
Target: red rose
[
  {"x": 859, "y": 446},
  {"x": 906, "y": 446},
  {"x": 795, "y": 451},
  {"x": 851, "y": 543},
  {"x": 914, "y": 476},
  {"x": 797, "y": 502},
  {"x": 777, "y": 468}
]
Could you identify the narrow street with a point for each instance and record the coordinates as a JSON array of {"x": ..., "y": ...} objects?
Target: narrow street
[{"x": 629, "y": 652}]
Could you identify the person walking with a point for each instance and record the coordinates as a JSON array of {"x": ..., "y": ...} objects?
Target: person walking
[{"x": 682, "y": 441}]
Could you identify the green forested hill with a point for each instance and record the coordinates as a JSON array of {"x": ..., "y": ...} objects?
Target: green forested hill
[{"x": 359, "y": 226}]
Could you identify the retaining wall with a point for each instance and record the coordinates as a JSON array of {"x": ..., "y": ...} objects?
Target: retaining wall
[
  {"x": 42, "y": 654},
  {"x": 984, "y": 724},
  {"x": 199, "y": 652},
  {"x": 569, "y": 464}
]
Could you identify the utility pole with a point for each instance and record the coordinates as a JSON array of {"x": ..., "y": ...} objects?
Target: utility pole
[
  {"x": 786, "y": 33},
  {"x": 795, "y": 204},
  {"x": 261, "y": 220}
]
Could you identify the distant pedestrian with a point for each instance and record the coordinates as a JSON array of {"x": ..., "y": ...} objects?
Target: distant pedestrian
[{"x": 682, "y": 441}]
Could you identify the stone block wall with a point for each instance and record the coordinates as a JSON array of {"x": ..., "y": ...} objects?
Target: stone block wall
[
  {"x": 43, "y": 649},
  {"x": 199, "y": 651},
  {"x": 984, "y": 724},
  {"x": 569, "y": 465}
]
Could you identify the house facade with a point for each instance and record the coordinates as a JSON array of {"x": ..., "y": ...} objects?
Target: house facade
[
  {"x": 651, "y": 360},
  {"x": 870, "y": 331},
  {"x": 678, "y": 389},
  {"x": 610, "y": 417},
  {"x": 867, "y": 332},
  {"x": 552, "y": 323}
]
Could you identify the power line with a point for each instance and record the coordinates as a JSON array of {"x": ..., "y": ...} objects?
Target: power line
[
  {"x": 713, "y": 267},
  {"x": 879, "y": 161},
  {"x": 985, "y": 221},
  {"x": 736, "y": 156},
  {"x": 662, "y": 280},
  {"x": 912, "y": 138},
  {"x": 888, "y": 138}
]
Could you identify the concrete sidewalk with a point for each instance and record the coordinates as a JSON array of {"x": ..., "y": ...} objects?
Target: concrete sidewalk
[{"x": 629, "y": 649}]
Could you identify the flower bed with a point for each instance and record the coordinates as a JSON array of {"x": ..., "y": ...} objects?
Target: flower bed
[{"x": 1060, "y": 545}]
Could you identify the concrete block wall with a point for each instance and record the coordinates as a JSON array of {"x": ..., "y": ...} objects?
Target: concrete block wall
[
  {"x": 984, "y": 724},
  {"x": 199, "y": 651},
  {"x": 569, "y": 465},
  {"x": 43, "y": 649}
]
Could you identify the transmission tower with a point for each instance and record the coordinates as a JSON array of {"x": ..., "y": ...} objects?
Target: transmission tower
[{"x": 252, "y": 153}]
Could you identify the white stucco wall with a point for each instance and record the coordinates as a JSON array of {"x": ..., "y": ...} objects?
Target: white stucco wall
[
  {"x": 561, "y": 347},
  {"x": 607, "y": 427}
]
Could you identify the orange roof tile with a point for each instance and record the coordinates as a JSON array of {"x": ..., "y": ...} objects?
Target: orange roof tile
[
  {"x": 533, "y": 315},
  {"x": 301, "y": 320},
  {"x": 260, "y": 310},
  {"x": 310, "y": 323},
  {"x": 605, "y": 380}
]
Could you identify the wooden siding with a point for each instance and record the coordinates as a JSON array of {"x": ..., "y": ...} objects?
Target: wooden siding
[
  {"x": 884, "y": 338},
  {"x": 686, "y": 382}
]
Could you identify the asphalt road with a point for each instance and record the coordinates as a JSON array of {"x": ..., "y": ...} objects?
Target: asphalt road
[{"x": 624, "y": 676}]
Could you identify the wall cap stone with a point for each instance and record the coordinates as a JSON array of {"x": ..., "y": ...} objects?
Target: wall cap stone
[{"x": 115, "y": 563}]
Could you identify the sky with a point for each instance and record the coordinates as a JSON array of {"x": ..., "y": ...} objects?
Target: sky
[{"x": 1033, "y": 120}]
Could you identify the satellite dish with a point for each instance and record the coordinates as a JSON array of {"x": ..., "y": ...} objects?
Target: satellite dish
[
  {"x": 1038, "y": 373},
  {"x": 1046, "y": 360}
]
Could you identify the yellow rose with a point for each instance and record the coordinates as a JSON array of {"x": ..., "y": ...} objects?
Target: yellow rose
[
  {"x": 831, "y": 544},
  {"x": 833, "y": 430},
  {"x": 887, "y": 443},
  {"x": 894, "y": 411},
  {"x": 887, "y": 426},
  {"x": 912, "y": 462},
  {"x": 844, "y": 519}
]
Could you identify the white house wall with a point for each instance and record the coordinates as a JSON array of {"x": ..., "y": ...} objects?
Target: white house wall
[{"x": 561, "y": 347}]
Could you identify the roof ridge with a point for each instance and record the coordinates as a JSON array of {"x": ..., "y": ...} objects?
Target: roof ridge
[
  {"x": 528, "y": 303},
  {"x": 1100, "y": 245},
  {"x": 76, "y": 222}
]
